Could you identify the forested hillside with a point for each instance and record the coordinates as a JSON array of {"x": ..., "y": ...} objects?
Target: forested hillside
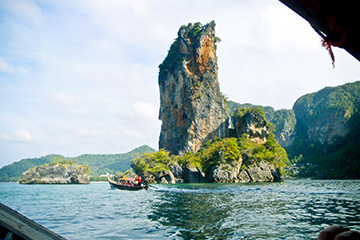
[
  {"x": 98, "y": 163},
  {"x": 110, "y": 163},
  {"x": 321, "y": 134},
  {"x": 327, "y": 133},
  {"x": 12, "y": 172}
]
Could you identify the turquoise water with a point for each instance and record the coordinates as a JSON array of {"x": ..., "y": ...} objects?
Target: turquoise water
[{"x": 288, "y": 210}]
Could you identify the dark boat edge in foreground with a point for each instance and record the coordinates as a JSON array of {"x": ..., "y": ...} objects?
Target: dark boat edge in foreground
[
  {"x": 14, "y": 225},
  {"x": 115, "y": 185}
]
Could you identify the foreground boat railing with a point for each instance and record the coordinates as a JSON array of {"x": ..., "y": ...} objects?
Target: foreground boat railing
[{"x": 14, "y": 225}]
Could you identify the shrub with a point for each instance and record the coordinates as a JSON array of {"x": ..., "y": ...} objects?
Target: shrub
[
  {"x": 190, "y": 158},
  {"x": 219, "y": 151},
  {"x": 152, "y": 162}
]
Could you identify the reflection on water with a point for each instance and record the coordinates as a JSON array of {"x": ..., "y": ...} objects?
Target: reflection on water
[
  {"x": 290, "y": 210},
  {"x": 196, "y": 214},
  {"x": 287, "y": 210}
]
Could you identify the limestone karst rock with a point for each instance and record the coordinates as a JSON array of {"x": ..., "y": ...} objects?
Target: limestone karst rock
[
  {"x": 192, "y": 109},
  {"x": 252, "y": 124},
  {"x": 56, "y": 173}
]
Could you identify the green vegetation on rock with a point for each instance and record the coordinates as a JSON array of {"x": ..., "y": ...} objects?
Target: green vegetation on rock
[
  {"x": 12, "y": 172},
  {"x": 283, "y": 120},
  {"x": 190, "y": 34},
  {"x": 152, "y": 162},
  {"x": 327, "y": 139},
  {"x": 217, "y": 152}
]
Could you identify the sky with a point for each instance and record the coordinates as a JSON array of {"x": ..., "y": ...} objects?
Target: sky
[{"x": 81, "y": 76}]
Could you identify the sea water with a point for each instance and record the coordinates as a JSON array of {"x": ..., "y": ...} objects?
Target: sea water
[{"x": 293, "y": 209}]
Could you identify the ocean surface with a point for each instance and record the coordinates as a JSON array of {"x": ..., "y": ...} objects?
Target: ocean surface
[{"x": 293, "y": 209}]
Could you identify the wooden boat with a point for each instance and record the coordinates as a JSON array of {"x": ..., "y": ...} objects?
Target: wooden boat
[
  {"x": 14, "y": 225},
  {"x": 127, "y": 185}
]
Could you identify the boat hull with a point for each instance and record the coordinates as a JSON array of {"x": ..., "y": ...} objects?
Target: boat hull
[{"x": 115, "y": 185}]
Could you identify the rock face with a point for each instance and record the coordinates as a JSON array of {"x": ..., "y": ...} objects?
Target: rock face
[
  {"x": 251, "y": 172},
  {"x": 192, "y": 109},
  {"x": 256, "y": 172},
  {"x": 253, "y": 125},
  {"x": 323, "y": 116},
  {"x": 193, "y": 175},
  {"x": 225, "y": 173},
  {"x": 322, "y": 121},
  {"x": 56, "y": 174},
  {"x": 284, "y": 120},
  {"x": 177, "y": 174}
]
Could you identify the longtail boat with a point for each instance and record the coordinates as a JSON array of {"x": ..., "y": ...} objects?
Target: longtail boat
[{"x": 127, "y": 185}]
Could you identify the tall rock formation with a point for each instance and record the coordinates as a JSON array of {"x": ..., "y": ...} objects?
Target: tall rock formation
[{"x": 192, "y": 109}]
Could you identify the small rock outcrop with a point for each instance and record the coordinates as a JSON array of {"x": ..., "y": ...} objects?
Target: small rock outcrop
[
  {"x": 252, "y": 124},
  {"x": 56, "y": 173},
  {"x": 192, "y": 109}
]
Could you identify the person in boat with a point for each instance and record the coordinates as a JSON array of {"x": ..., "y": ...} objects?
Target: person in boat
[{"x": 139, "y": 179}]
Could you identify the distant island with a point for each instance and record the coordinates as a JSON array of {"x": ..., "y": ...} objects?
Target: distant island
[
  {"x": 99, "y": 164},
  {"x": 57, "y": 172}
]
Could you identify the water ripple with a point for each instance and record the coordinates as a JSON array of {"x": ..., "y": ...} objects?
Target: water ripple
[{"x": 287, "y": 210}]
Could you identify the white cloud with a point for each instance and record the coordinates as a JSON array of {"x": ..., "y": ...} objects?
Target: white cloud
[
  {"x": 63, "y": 98},
  {"x": 20, "y": 135},
  {"x": 12, "y": 69},
  {"x": 283, "y": 29},
  {"x": 108, "y": 46},
  {"x": 25, "y": 9},
  {"x": 6, "y": 67},
  {"x": 133, "y": 133},
  {"x": 146, "y": 110},
  {"x": 87, "y": 133}
]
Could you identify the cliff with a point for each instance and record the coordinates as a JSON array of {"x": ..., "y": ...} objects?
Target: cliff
[
  {"x": 323, "y": 116},
  {"x": 326, "y": 140},
  {"x": 56, "y": 173},
  {"x": 284, "y": 120},
  {"x": 192, "y": 109}
]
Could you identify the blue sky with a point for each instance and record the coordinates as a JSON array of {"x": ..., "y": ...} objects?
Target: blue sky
[{"x": 80, "y": 76}]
